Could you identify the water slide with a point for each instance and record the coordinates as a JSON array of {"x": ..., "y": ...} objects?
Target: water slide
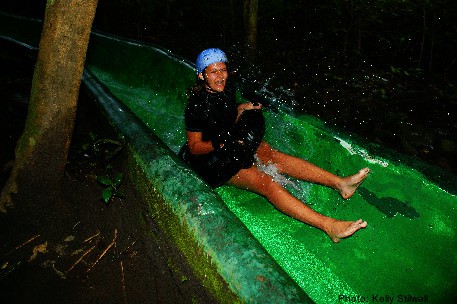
[{"x": 242, "y": 248}]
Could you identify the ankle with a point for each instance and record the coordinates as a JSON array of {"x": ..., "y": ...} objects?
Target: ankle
[{"x": 328, "y": 225}]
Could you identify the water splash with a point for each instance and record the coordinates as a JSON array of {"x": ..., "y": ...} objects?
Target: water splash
[
  {"x": 271, "y": 170},
  {"x": 359, "y": 151}
]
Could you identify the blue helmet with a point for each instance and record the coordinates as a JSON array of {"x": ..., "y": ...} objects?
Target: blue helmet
[{"x": 209, "y": 56}]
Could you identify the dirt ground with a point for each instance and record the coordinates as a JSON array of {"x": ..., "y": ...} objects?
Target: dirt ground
[{"x": 82, "y": 250}]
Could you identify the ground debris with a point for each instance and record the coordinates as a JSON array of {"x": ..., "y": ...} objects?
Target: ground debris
[
  {"x": 104, "y": 252},
  {"x": 42, "y": 248}
]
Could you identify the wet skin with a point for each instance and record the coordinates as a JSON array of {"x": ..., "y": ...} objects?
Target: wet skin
[{"x": 215, "y": 77}]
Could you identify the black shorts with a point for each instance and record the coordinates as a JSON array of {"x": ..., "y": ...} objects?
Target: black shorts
[{"x": 217, "y": 167}]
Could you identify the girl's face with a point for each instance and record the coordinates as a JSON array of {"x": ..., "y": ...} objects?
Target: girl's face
[{"x": 215, "y": 76}]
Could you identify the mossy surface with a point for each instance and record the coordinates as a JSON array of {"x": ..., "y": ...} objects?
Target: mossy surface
[{"x": 176, "y": 231}]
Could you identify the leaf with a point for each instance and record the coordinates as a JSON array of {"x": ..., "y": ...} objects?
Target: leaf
[
  {"x": 107, "y": 194},
  {"x": 104, "y": 180},
  {"x": 42, "y": 248},
  {"x": 118, "y": 179}
]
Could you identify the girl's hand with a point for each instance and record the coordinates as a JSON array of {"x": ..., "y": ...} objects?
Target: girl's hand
[{"x": 247, "y": 106}]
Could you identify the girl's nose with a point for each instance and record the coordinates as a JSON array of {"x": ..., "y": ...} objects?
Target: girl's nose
[{"x": 221, "y": 74}]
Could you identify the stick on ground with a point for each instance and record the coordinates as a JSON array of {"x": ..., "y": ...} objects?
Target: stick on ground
[{"x": 105, "y": 251}]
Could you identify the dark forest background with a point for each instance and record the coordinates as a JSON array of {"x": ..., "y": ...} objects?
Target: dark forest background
[{"x": 383, "y": 69}]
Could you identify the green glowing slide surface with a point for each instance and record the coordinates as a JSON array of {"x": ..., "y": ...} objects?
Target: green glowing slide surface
[{"x": 407, "y": 251}]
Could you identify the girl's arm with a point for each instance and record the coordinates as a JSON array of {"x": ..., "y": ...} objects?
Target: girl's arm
[{"x": 197, "y": 145}]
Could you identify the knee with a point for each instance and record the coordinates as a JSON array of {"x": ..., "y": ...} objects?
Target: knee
[
  {"x": 266, "y": 153},
  {"x": 267, "y": 185}
]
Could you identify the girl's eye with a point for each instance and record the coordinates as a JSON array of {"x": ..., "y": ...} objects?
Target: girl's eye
[{"x": 218, "y": 71}]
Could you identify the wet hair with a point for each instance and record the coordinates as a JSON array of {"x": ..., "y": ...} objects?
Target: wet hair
[{"x": 197, "y": 88}]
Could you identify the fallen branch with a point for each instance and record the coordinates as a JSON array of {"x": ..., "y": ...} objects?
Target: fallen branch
[
  {"x": 105, "y": 251},
  {"x": 124, "y": 292},
  {"x": 8, "y": 269},
  {"x": 79, "y": 260},
  {"x": 23, "y": 244},
  {"x": 90, "y": 238},
  {"x": 125, "y": 251}
]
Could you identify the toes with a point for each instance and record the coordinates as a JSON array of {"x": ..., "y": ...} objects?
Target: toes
[
  {"x": 350, "y": 229},
  {"x": 365, "y": 170},
  {"x": 361, "y": 224}
]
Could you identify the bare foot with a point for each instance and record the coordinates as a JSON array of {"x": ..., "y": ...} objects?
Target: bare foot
[
  {"x": 343, "y": 229},
  {"x": 350, "y": 183}
]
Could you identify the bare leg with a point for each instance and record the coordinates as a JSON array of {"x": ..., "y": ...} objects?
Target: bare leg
[
  {"x": 253, "y": 180},
  {"x": 304, "y": 170}
]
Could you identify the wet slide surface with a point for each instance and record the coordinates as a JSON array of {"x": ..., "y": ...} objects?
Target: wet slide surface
[{"x": 407, "y": 252}]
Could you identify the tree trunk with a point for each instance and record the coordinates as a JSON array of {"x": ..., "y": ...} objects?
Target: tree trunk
[
  {"x": 250, "y": 10},
  {"x": 41, "y": 152}
]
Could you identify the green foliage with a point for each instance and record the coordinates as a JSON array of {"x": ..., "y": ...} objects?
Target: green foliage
[
  {"x": 96, "y": 154},
  {"x": 111, "y": 189},
  {"x": 96, "y": 157},
  {"x": 103, "y": 148}
]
